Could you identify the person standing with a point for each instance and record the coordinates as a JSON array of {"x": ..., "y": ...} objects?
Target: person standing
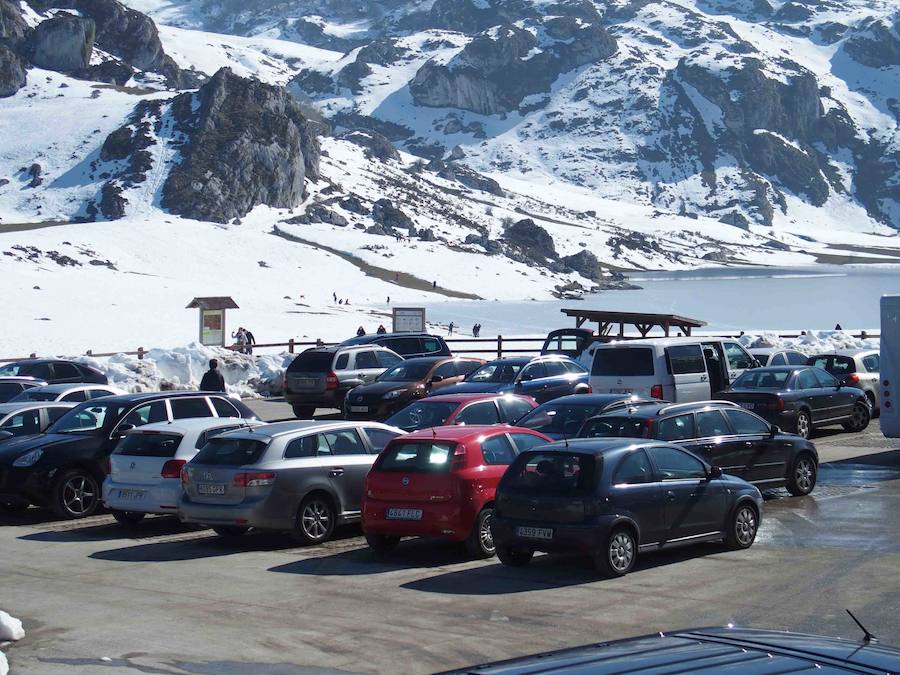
[
  {"x": 240, "y": 339},
  {"x": 450, "y": 329},
  {"x": 212, "y": 379},
  {"x": 251, "y": 340},
  {"x": 360, "y": 331},
  {"x": 837, "y": 326},
  {"x": 381, "y": 329}
]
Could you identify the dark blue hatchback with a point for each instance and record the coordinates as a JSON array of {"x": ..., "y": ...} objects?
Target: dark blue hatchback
[{"x": 563, "y": 417}]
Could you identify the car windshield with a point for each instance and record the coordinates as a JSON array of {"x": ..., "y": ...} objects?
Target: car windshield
[
  {"x": 552, "y": 473},
  {"x": 422, "y": 414},
  {"x": 614, "y": 427},
  {"x": 416, "y": 458},
  {"x": 85, "y": 419},
  {"x": 230, "y": 452},
  {"x": 495, "y": 372},
  {"x": 35, "y": 394},
  {"x": 10, "y": 369},
  {"x": 559, "y": 418},
  {"x": 761, "y": 378},
  {"x": 406, "y": 372}
]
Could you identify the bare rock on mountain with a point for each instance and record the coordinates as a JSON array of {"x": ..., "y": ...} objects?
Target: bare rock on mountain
[
  {"x": 63, "y": 43},
  {"x": 111, "y": 72},
  {"x": 12, "y": 26},
  {"x": 877, "y": 44},
  {"x": 249, "y": 143},
  {"x": 390, "y": 217},
  {"x": 585, "y": 263},
  {"x": 531, "y": 241},
  {"x": 376, "y": 145},
  {"x": 12, "y": 72}
]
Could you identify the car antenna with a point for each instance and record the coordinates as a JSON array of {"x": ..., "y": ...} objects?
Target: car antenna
[{"x": 868, "y": 638}]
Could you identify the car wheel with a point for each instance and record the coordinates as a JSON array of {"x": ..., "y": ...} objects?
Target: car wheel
[
  {"x": 480, "y": 542},
  {"x": 873, "y": 405},
  {"x": 860, "y": 417},
  {"x": 315, "y": 521},
  {"x": 127, "y": 517},
  {"x": 802, "y": 425},
  {"x": 230, "y": 531},
  {"x": 382, "y": 544},
  {"x": 742, "y": 528},
  {"x": 76, "y": 494},
  {"x": 803, "y": 475},
  {"x": 303, "y": 412},
  {"x": 617, "y": 558},
  {"x": 514, "y": 557}
]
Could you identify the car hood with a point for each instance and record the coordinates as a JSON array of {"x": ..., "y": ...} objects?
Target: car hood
[
  {"x": 477, "y": 388},
  {"x": 15, "y": 447},
  {"x": 380, "y": 388}
]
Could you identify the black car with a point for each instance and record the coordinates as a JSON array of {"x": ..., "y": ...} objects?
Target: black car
[
  {"x": 53, "y": 371},
  {"x": 724, "y": 435},
  {"x": 64, "y": 467},
  {"x": 800, "y": 399},
  {"x": 10, "y": 387},
  {"x": 611, "y": 498},
  {"x": 541, "y": 377},
  {"x": 563, "y": 417},
  {"x": 407, "y": 345},
  {"x": 740, "y": 651}
]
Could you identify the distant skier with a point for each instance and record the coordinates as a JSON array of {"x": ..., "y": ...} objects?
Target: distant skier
[{"x": 212, "y": 378}]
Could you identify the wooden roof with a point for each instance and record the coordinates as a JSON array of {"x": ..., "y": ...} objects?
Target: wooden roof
[
  {"x": 602, "y": 316},
  {"x": 217, "y": 302}
]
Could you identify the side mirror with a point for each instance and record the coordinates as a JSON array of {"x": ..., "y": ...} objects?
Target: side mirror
[
  {"x": 519, "y": 384},
  {"x": 4, "y": 435},
  {"x": 773, "y": 430},
  {"x": 437, "y": 378},
  {"x": 840, "y": 384},
  {"x": 123, "y": 429},
  {"x": 714, "y": 472}
]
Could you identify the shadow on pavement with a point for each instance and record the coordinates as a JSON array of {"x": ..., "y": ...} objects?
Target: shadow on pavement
[{"x": 75, "y": 531}]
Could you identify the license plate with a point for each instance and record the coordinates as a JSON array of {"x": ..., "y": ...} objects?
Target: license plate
[
  {"x": 404, "y": 514},
  {"x": 620, "y": 391},
  {"x": 534, "y": 532},
  {"x": 211, "y": 488},
  {"x": 359, "y": 408},
  {"x": 748, "y": 406},
  {"x": 304, "y": 381},
  {"x": 132, "y": 495}
]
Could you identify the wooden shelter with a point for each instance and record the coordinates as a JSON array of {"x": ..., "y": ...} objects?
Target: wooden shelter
[{"x": 643, "y": 322}]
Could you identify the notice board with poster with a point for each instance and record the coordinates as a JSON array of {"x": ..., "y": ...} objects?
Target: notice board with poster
[
  {"x": 212, "y": 327},
  {"x": 409, "y": 320}
]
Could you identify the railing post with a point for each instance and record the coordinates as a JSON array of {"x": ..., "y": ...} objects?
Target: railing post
[
  {"x": 140, "y": 354},
  {"x": 499, "y": 346},
  {"x": 291, "y": 346}
]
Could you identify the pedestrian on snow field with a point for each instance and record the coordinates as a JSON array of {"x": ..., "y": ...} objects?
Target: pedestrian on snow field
[
  {"x": 360, "y": 331},
  {"x": 434, "y": 284},
  {"x": 389, "y": 300},
  {"x": 240, "y": 339},
  {"x": 335, "y": 295},
  {"x": 341, "y": 301},
  {"x": 250, "y": 341},
  {"x": 837, "y": 326},
  {"x": 212, "y": 379},
  {"x": 347, "y": 302},
  {"x": 450, "y": 329},
  {"x": 381, "y": 329}
]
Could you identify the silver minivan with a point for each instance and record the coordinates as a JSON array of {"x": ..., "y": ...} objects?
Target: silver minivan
[
  {"x": 303, "y": 477},
  {"x": 680, "y": 370}
]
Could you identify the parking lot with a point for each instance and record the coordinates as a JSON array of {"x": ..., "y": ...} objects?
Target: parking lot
[{"x": 167, "y": 598}]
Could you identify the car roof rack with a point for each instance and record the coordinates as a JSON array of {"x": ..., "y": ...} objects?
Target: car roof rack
[
  {"x": 675, "y": 406},
  {"x": 628, "y": 403}
]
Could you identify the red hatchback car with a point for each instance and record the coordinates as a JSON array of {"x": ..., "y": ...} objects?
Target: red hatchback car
[
  {"x": 448, "y": 409},
  {"x": 440, "y": 482}
]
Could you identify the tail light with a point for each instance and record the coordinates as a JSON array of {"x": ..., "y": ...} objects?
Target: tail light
[
  {"x": 172, "y": 468},
  {"x": 331, "y": 380},
  {"x": 185, "y": 476},
  {"x": 458, "y": 459},
  {"x": 852, "y": 378},
  {"x": 589, "y": 390},
  {"x": 254, "y": 479},
  {"x": 656, "y": 391},
  {"x": 777, "y": 404}
]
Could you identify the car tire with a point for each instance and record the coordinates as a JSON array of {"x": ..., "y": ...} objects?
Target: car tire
[
  {"x": 381, "y": 544},
  {"x": 742, "y": 527},
  {"x": 513, "y": 557},
  {"x": 315, "y": 520},
  {"x": 618, "y": 555},
  {"x": 873, "y": 405},
  {"x": 76, "y": 494},
  {"x": 303, "y": 412},
  {"x": 803, "y": 424},
  {"x": 860, "y": 417},
  {"x": 230, "y": 531},
  {"x": 480, "y": 542},
  {"x": 127, "y": 518},
  {"x": 803, "y": 475}
]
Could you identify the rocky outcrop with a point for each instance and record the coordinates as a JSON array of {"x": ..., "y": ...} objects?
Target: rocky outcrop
[
  {"x": 12, "y": 26},
  {"x": 585, "y": 263},
  {"x": 12, "y": 72},
  {"x": 376, "y": 145},
  {"x": 112, "y": 72},
  {"x": 62, "y": 43},
  {"x": 390, "y": 217},
  {"x": 877, "y": 44},
  {"x": 530, "y": 241},
  {"x": 248, "y": 144}
]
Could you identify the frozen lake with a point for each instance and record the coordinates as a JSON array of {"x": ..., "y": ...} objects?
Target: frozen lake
[{"x": 809, "y": 298}]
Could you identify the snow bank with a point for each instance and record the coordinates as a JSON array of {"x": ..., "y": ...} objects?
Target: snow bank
[
  {"x": 182, "y": 368},
  {"x": 10, "y": 628},
  {"x": 4, "y": 666},
  {"x": 814, "y": 342}
]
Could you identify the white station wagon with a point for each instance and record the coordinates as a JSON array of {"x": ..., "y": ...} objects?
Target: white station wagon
[{"x": 145, "y": 467}]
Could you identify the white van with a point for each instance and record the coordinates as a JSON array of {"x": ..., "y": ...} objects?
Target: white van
[
  {"x": 680, "y": 370},
  {"x": 890, "y": 365}
]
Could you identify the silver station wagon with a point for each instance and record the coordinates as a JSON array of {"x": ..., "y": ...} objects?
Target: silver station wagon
[{"x": 302, "y": 477}]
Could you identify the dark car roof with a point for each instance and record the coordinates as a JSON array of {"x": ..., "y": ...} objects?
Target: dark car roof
[
  {"x": 467, "y": 397},
  {"x": 737, "y": 650},
  {"x": 596, "y": 446},
  {"x": 586, "y": 399},
  {"x": 459, "y": 434},
  {"x": 648, "y": 410},
  {"x": 373, "y": 337}
]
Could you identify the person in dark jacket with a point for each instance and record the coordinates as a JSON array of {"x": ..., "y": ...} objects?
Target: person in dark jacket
[{"x": 212, "y": 378}]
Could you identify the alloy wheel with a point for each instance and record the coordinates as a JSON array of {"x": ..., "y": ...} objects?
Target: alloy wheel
[
  {"x": 859, "y": 417},
  {"x": 79, "y": 495},
  {"x": 621, "y": 551},
  {"x": 315, "y": 519},
  {"x": 487, "y": 537},
  {"x": 803, "y": 474},
  {"x": 803, "y": 425},
  {"x": 745, "y": 526}
]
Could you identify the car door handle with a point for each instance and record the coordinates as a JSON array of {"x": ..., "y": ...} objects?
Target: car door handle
[
  {"x": 670, "y": 496},
  {"x": 336, "y": 472}
]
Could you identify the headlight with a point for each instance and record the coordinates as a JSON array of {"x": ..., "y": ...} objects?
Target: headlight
[
  {"x": 29, "y": 458},
  {"x": 392, "y": 394}
]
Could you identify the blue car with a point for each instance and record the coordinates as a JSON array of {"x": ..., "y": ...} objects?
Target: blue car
[
  {"x": 544, "y": 378},
  {"x": 563, "y": 417}
]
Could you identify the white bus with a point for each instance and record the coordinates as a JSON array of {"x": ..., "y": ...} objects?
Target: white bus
[{"x": 890, "y": 365}]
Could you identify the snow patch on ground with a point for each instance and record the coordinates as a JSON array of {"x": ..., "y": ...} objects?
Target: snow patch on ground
[{"x": 10, "y": 628}]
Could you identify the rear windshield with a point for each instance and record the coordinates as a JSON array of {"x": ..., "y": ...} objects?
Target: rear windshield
[
  {"x": 836, "y": 365},
  {"x": 623, "y": 362},
  {"x": 230, "y": 451},
  {"x": 422, "y": 414},
  {"x": 762, "y": 379},
  {"x": 406, "y": 372},
  {"x": 614, "y": 427},
  {"x": 559, "y": 418},
  {"x": 312, "y": 362},
  {"x": 552, "y": 473},
  {"x": 148, "y": 445},
  {"x": 416, "y": 457},
  {"x": 495, "y": 372}
]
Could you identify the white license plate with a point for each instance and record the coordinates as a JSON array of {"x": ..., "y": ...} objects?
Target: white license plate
[
  {"x": 620, "y": 391},
  {"x": 534, "y": 532},
  {"x": 748, "y": 406},
  {"x": 404, "y": 514},
  {"x": 304, "y": 381},
  {"x": 132, "y": 495},
  {"x": 359, "y": 408},
  {"x": 211, "y": 488}
]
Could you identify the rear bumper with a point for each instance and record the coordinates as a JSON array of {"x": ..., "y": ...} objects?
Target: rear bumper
[
  {"x": 244, "y": 514},
  {"x": 377, "y": 410},
  {"x": 162, "y": 497},
  {"x": 330, "y": 398},
  {"x": 448, "y": 520},
  {"x": 565, "y": 538}
]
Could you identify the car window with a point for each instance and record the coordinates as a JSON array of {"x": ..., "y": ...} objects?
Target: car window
[
  {"x": 420, "y": 457},
  {"x": 404, "y": 345},
  {"x": 422, "y": 414},
  {"x": 223, "y": 407},
  {"x": 512, "y": 409},
  {"x": 148, "y": 445},
  {"x": 40, "y": 371},
  {"x": 342, "y": 360},
  {"x": 613, "y": 427},
  {"x": 478, "y": 413},
  {"x": 839, "y": 366},
  {"x": 796, "y": 359},
  {"x": 306, "y": 446},
  {"x": 685, "y": 359},
  {"x": 674, "y": 464},
  {"x": 676, "y": 428},
  {"x": 99, "y": 393},
  {"x": 533, "y": 371},
  {"x": 23, "y": 423},
  {"x": 807, "y": 380},
  {"x": 378, "y": 438},
  {"x": 761, "y": 378},
  {"x": 145, "y": 414},
  {"x": 429, "y": 345},
  {"x": 387, "y": 359},
  {"x": 79, "y": 396},
  {"x": 323, "y": 448},
  {"x": 66, "y": 371},
  {"x": 365, "y": 360},
  {"x": 573, "y": 367},
  {"x": 778, "y": 360},
  {"x": 746, "y": 423},
  {"x": 872, "y": 363},
  {"x": 229, "y": 451},
  {"x": 345, "y": 442},
  {"x": 464, "y": 367},
  {"x": 497, "y": 450},
  {"x": 623, "y": 362},
  {"x": 526, "y": 441},
  {"x": 204, "y": 436},
  {"x": 54, "y": 414},
  {"x": 555, "y": 368},
  {"x": 635, "y": 469},
  {"x": 553, "y": 473},
  {"x": 825, "y": 379},
  {"x": 711, "y": 423},
  {"x": 737, "y": 357},
  {"x": 8, "y": 390},
  {"x": 190, "y": 407},
  {"x": 445, "y": 370}
]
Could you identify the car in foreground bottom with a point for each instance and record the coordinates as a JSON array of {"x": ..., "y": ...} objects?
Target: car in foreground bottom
[
  {"x": 614, "y": 498},
  {"x": 726, "y": 649}
]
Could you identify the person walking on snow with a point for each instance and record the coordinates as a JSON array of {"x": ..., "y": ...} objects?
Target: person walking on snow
[
  {"x": 212, "y": 379},
  {"x": 450, "y": 329}
]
